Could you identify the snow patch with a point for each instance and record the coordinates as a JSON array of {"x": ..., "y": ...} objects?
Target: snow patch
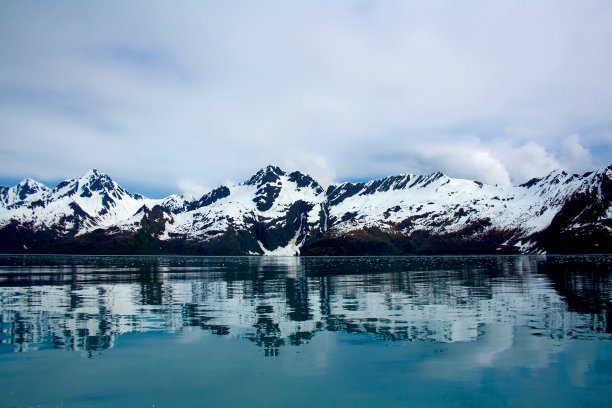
[{"x": 291, "y": 249}]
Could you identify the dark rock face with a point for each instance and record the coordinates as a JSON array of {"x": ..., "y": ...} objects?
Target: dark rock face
[
  {"x": 267, "y": 180},
  {"x": 61, "y": 185},
  {"x": 153, "y": 222},
  {"x": 303, "y": 180},
  {"x": 78, "y": 218},
  {"x": 337, "y": 194},
  {"x": 276, "y": 233},
  {"x": 100, "y": 182},
  {"x": 86, "y": 192},
  {"x": 104, "y": 185},
  {"x": 587, "y": 210},
  {"x": 270, "y": 174},
  {"x": 266, "y": 195},
  {"x": 4, "y": 191},
  {"x": 25, "y": 189},
  {"x": 210, "y": 198}
]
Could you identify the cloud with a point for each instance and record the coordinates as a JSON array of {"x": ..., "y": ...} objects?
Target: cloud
[
  {"x": 526, "y": 161},
  {"x": 315, "y": 166},
  {"x": 464, "y": 160},
  {"x": 193, "y": 189},
  {"x": 155, "y": 93},
  {"x": 574, "y": 155}
]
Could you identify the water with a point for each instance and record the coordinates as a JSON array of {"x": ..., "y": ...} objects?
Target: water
[{"x": 327, "y": 332}]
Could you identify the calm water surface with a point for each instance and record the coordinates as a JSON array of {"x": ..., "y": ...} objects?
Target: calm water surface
[{"x": 328, "y": 332}]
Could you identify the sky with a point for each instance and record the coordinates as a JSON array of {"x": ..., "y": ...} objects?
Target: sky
[{"x": 182, "y": 96}]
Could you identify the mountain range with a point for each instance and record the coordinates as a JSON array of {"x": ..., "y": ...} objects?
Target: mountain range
[{"x": 280, "y": 213}]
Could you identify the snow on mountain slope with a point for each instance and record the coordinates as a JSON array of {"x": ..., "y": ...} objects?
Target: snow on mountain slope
[
  {"x": 27, "y": 190},
  {"x": 279, "y": 213},
  {"x": 74, "y": 206},
  {"x": 442, "y": 204},
  {"x": 270, "y": 200}
]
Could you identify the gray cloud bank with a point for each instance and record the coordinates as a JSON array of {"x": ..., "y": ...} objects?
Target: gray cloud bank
[{"x": 184, "y": 95}]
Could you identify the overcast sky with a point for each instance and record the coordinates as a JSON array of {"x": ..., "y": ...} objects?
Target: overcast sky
[{"x": 170, "y": 97}]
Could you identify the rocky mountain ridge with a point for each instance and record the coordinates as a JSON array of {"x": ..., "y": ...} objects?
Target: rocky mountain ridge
[{"x": 279, "y": 213}]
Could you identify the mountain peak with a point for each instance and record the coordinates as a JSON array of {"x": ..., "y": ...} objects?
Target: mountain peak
[
  {"x": 273, "y": 168},
  {"x": 28, "y": 187},
  {"x": 95, "y": 180},
  {"x": 93, "y": 174},
  {"x": 268, "y": 174},
  {"x": 29, "y": 182},
  {"x": 304, "y": 180}
]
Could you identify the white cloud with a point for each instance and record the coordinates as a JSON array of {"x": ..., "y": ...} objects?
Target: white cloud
[
  {"x": 193, "y": 189},
  {"x": 464, "y": 160},
  {"x": 574, "y": 155},
  {"x": 316, "y": 167},
  {"x": 154, "y": 92},
  {"x": 526, "y": 161}
]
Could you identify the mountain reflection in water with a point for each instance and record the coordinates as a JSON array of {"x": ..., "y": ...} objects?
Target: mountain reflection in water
[{"x": 88, "y": 303}]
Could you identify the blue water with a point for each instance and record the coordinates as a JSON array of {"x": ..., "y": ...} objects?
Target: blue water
[{"x": 332, "y": 332}]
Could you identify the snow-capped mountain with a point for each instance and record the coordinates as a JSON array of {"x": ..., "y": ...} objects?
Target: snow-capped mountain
[
  {"x": 437, "y": 205},
  {"x": 73, "y": 207},
  {"x": 271, "y": 213},
  {"x": 279, "y": 213},
  {"x": 27, "y": 189}
]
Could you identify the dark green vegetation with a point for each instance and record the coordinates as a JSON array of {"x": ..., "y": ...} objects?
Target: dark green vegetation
[
  {"x": 373, "y": 241},
  {"x": 473, "y": 239}
]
